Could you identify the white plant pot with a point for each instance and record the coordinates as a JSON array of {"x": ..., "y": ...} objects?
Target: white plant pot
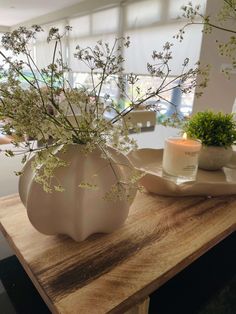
[
  {"x": 214, "y": 157},
  {"x": 79, "y": 212}
]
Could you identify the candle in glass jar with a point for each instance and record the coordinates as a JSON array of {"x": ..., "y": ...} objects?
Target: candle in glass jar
[{"x": 180, "y": 157}]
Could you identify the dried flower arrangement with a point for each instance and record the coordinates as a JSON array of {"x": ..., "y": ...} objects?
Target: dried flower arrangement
[{"x": 51, "y": 111}]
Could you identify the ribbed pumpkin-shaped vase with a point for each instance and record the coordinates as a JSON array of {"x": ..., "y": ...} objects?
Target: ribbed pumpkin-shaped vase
[{"x": 78, "y": 211}]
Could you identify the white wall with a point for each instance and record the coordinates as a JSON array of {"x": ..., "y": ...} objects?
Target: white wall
[
  {"x": 8, "y": 179},
  {"x": 8, "y": 185},
  {"x": 221, "y": 92}
]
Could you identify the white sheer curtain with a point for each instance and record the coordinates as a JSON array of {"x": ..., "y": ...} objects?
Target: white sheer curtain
[
  {"x": 90, "y": 28},
  {"x": 145, "y": 40},
  {"x": 149, "y": 24}
]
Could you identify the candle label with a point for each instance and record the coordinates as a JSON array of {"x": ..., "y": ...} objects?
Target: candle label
[
  {"x": 191, "y": 154},
  {"x": 180, "y": 157},
  {"x": 190, "y": 168}
]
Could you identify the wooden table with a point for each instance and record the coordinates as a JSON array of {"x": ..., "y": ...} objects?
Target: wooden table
[{"x": 111, "y": 273}]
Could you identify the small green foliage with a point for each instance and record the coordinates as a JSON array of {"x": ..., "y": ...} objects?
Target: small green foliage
[{"x": 213, "y": 129}]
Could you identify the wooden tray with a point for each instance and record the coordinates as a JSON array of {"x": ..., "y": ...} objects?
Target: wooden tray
[{"x": 208, "y": 183}]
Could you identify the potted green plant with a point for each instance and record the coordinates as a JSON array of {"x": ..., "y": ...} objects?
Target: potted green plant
[
  {"x": 217, "y": 132},
  {"x": 78, "y": 182}
]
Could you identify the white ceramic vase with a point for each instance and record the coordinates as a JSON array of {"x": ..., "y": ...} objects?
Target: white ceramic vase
[
  {"x": 214, "y": 157},
  {"x": 79, "y": 212}
]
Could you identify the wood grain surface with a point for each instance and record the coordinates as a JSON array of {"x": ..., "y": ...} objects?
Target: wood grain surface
[{"x": 110, "y": 273}]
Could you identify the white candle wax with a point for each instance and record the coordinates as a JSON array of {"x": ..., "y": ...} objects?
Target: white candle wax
[{"x": 180, "y": 157}]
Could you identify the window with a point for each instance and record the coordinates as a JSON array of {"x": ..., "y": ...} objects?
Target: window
[{"x": 149, "y": 24}]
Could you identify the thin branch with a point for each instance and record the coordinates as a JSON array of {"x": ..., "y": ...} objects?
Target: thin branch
[{"x": 16, "y": 69}]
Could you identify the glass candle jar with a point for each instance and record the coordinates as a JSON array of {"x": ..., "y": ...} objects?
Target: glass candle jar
[{"x": 180, "y": 158}]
